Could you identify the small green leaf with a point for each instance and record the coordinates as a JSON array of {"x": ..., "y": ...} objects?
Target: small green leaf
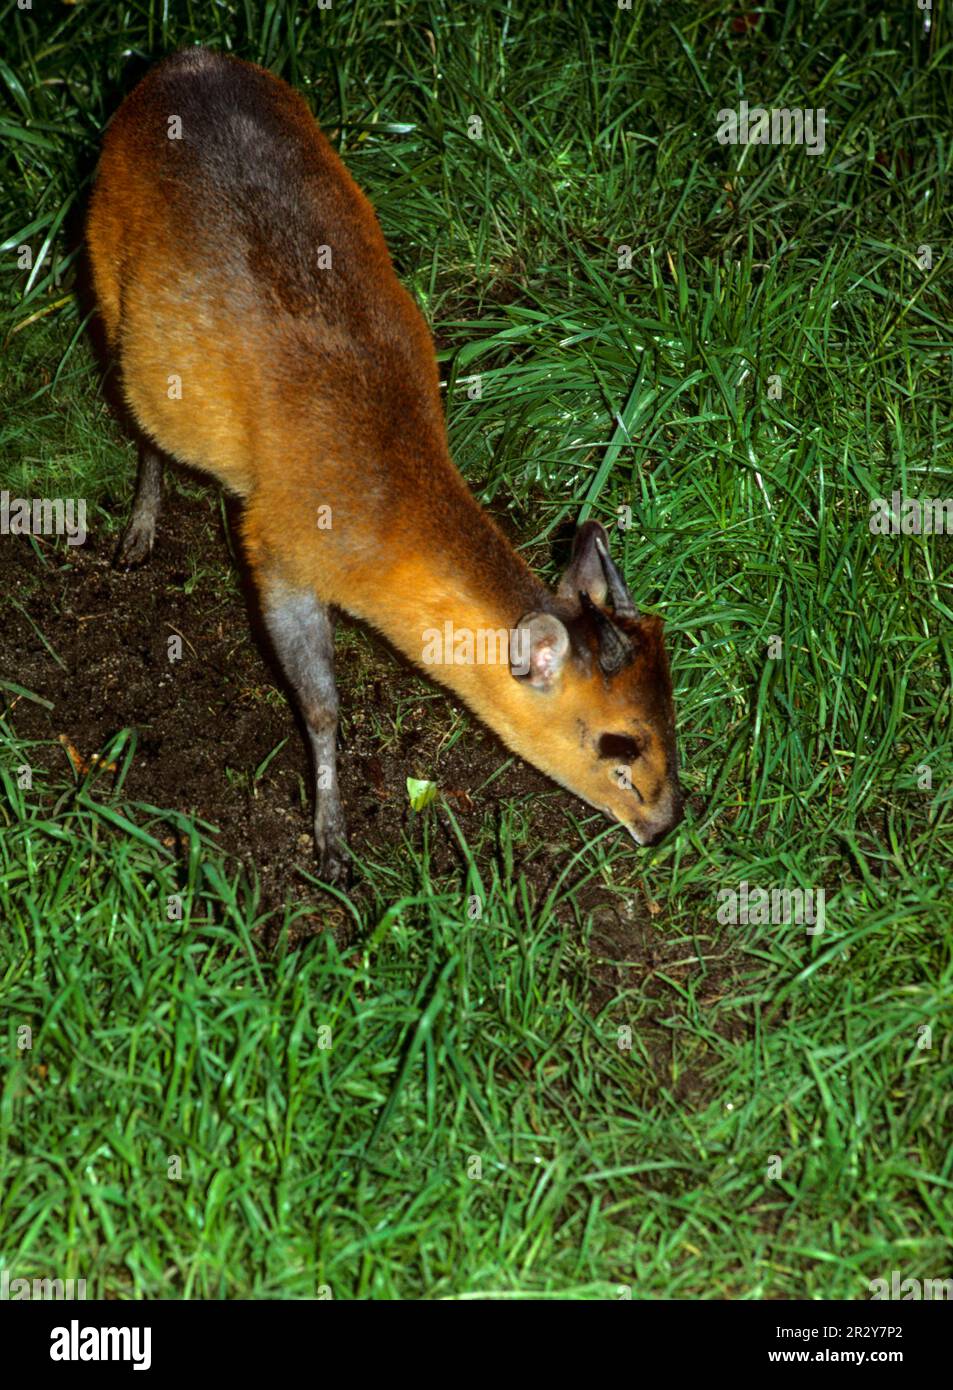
[{"x": 421, "y": 793}]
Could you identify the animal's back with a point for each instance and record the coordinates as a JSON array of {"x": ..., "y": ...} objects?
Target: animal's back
[{"x": 243, "y": 277}]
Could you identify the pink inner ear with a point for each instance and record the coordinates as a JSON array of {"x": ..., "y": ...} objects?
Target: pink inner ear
[
  {"x": 548, "y": 649},
  {"x": 543, "y": 661}
]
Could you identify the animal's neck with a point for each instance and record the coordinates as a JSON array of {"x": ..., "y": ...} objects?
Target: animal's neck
[{"x": 456, "y": 592}]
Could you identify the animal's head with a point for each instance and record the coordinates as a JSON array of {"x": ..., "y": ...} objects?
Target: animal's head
[{"x": 597, "y": 672}]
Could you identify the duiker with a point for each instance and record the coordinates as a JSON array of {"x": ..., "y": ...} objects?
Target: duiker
[{"x": 263, "y": 337}]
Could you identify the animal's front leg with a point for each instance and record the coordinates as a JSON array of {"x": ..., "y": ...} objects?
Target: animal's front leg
[{"x": 301, "y": 631}]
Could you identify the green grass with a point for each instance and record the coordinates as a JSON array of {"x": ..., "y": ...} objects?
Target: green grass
[{"x": 348, "y": 1158}]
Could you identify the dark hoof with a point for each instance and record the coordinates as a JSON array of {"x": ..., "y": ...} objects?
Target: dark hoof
[
  {"x": 135, "y": 547},
  {"x": 334, "y": 861}
]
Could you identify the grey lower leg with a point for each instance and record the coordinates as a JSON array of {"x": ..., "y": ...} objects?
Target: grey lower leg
[
  {"x": 140, "y": 533},
  {"x": 300, "y": 628}
]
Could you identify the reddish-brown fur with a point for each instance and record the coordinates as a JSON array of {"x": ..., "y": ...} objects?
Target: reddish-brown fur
[{"x": 306, "y": 386}]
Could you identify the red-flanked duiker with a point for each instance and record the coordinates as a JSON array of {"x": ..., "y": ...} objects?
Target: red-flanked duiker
[{"x": 264, "y": 338}]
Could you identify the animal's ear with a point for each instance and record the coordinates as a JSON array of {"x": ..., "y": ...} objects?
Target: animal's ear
[
  {"x": 586, "y": 574},
  {"x": 539, "y": 650},
  {"x": 592, "y": 571}
]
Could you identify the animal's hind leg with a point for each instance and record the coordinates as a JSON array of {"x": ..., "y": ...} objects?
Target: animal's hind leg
[
  {"x": 140, "y": 533},
  {"x": 300, "y": 628}
]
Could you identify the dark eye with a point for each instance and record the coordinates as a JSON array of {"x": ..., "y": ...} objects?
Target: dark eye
[{"x": 620, "y": 747}]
